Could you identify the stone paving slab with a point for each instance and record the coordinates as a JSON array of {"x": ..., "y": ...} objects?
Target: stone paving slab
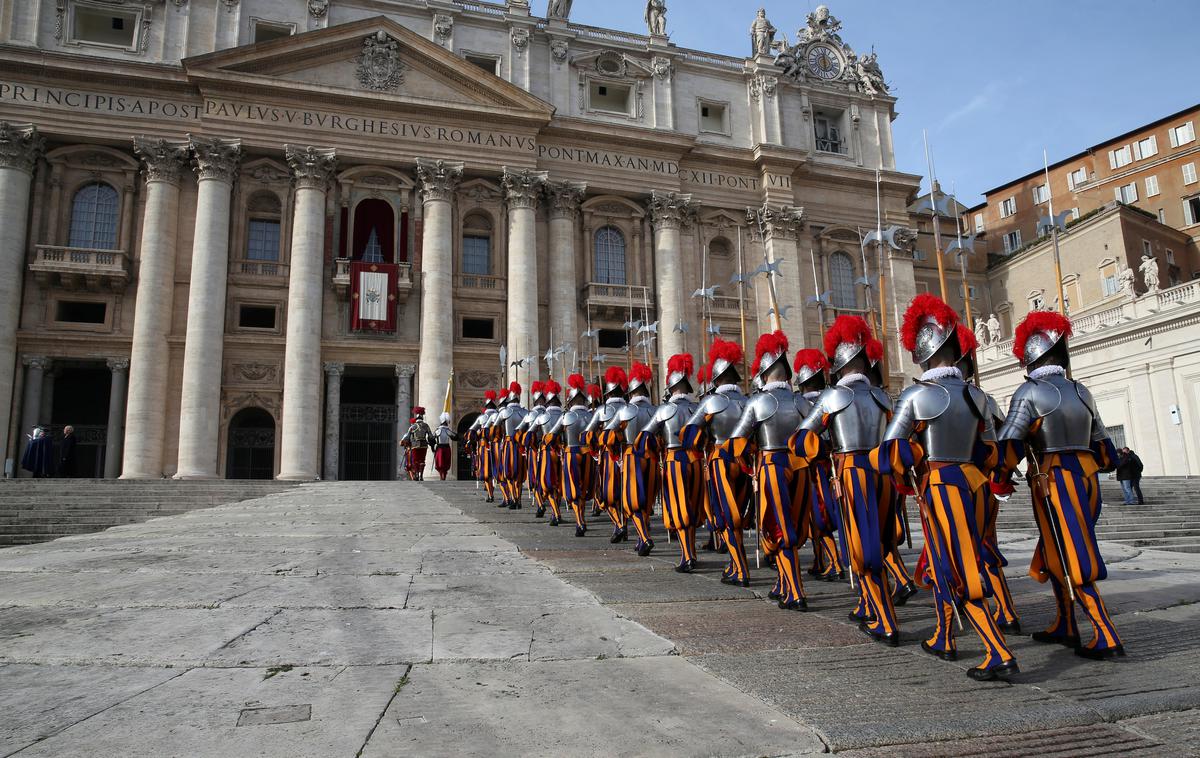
[
  {"x": 581, "y": 708},
  {"x": 1073, "y": 742},
  {"x": 1180, "y": 730},
  {"x": 501, "y": 590},
  {"x": 358, "y": 637}
]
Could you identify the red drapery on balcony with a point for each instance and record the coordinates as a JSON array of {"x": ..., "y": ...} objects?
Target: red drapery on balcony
[{"x": 373, "y": 296}]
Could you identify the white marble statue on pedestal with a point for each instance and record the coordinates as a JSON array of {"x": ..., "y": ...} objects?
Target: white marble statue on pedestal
[
  {"x": 981, "y": 333},
  {"x": 762, "y": 34},
  {"x": 1149, "y": 269},
  {"x": 1128, "y": 283},
  {"x": 559, "y": 9},
  {"x": 993, "y": 325},
  {"x": 656, "y": 17}
]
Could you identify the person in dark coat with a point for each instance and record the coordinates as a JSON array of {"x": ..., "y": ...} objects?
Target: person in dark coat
[
  {"x": 39, "y": 454},
  {"x": 1129, "y": 474},
  {"x": 66, "y": 453}
]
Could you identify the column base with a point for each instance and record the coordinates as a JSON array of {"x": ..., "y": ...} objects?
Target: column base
[
  {"x": 193, "y": 477},
  {"x": 297, "y": 477},
  {"x": 136, "y": 476}
]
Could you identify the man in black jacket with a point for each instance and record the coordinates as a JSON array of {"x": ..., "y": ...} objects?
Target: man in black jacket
[
  {"x": 66, "y": 453},
  {"x": 1129, "y": 474}
]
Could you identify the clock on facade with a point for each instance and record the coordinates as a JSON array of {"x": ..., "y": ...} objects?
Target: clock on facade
[{"x": 824, "y": 62}]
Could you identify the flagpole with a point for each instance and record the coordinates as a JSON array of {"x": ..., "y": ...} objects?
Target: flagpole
[
  {"x": 1062, "y": 295},
  {"x": 742, "y": 305},
  {"x": 937, "y": 232}
]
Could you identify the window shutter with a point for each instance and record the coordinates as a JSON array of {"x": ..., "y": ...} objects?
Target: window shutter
[
  {"x": 1191, "y": 132},
  {"x": 1153, "y": 145},
  {"x": 1137, "y": 151},
  {"x": 1112, "y": 159},
  {"x": 1188, "y": 218},
  {"x": 1120, "y": 196},
  {"x": 1174, "y": 139}
]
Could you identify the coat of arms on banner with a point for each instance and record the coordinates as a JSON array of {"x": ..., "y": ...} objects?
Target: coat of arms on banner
[{"x": 373, "y": 296}]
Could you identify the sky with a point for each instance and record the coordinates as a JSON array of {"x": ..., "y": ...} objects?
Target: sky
[{"x": 994, "y": 83}]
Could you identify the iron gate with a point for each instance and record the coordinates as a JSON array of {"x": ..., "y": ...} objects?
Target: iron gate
[{"x": 368, "y": 443}]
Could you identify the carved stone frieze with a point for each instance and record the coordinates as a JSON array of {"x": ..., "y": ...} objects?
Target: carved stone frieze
[
  {"x": 763, "y": 86},
  {"x": 312, "y": 167},
  {"x": 216, "y": 158},
  {"x": 520, "y": 39},
  {"x": 268, "y": 401},
  {"x": 443, "y": 27},
  {"x": 662, "y": 67},
  {"x": 559, "y": 49},
  {"x": 522, "y": 187},
  {"x": 20, "y": 146},
  {"x": 254, "y": 372},
  {"x": 318, "y": 8},
  {"x": 477, "y": 380},
  {"x": 438, "y": 179},
  {"x": 163, "y": 160},
  {"x": 671, "y": 210}
]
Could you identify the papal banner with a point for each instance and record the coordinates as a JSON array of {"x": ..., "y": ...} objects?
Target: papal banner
[{"x": 373, "y": 293}]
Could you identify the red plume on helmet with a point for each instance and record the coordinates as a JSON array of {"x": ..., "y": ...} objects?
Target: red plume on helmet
[
  {"x": 811, "y": 359},
  {"x": 846, "y": 329},
  {"x": 722, "y": 350},
  {"x": 489, "y": 396},
  {"x": 769, "y": 345},
  {"x": 551, "y": 388},
  {"x": 681, "y": 364},
  {"x": 704, "y": 374},
  {"x": 874, "y": 350},
  {"x": 925, "y": 306},
  {"x": 577, "y": 382},
  {"x": 514, "y": 389},
  {"x": 967, "y": 341},
  {"x": 615, "y": 376},
  {"x": 537, "y": 388},
  {"x": 640, "y": 374},
  {"x": 1039, "y": 321},
  {"x": 593, "y": 391}
]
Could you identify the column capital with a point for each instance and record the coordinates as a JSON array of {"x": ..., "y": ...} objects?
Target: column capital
[
  {"x": 38, "y": 362},
  {"x": 20, "y": 146},
  {"x": 163, "y": 159},
  {"x": 565, "y": 198},
  {"x": 312, "y": 167},
  {"x": 216, "y": 157},
  {"x": 438, "y": 178},
  {"x": 118, "y": 365},
  {"x": 783, "y": 222},
  {"x": 522, "y": 186},
  {"x": 405, "y": 370},
  {"x": 671, "y": 210},
  {"x": 334, "y": 369}
]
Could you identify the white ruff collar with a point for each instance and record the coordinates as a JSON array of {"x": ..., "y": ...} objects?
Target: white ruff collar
[
  {"x": 849, "y": 379},
  {"x": 639, "y": 400},
  {"x": 683, "y": 396},
  {"x": 813, "y": 395},
  {"x": 1045, "y": 371},
  {"x": 776, "y": 386},
  {"x": 725, "y": 389},
  {"x": 614, "y": 401},
  {"x": 944, "y": 372}
]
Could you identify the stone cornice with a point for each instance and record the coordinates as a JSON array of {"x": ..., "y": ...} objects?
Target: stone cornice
[
  {"x": 523, "y": 187},
  {"x": 438, "y": 179},
  {"x": 164, "y": 160},
  {"x": 565, "y": 198},
  {"x": 671, "y": 210},
  {"x": 312, "y": 167},
  {"x": 20, "y": 146},
  {"x": 216, "y": 158}
]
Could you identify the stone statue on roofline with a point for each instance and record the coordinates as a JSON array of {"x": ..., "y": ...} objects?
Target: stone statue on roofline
[
  {"x": 656, "y": 17},
  {"x": 560, "y": 9},
  {"x": 1149, "y": 269},
  {"x": 762, "y": 34}
]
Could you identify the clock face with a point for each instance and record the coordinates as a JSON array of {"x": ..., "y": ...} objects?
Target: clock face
[{"x": 824, "y": 62}]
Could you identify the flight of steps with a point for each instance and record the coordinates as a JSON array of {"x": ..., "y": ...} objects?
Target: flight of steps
[
  {"x": 39, "y": 510},
  {"x": 1170, "y": 519}
]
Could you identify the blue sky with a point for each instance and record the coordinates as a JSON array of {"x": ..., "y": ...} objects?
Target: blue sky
[{"x": 993, "y": 82}]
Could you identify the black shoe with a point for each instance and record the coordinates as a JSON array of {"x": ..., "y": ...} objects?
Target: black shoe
[
  {"x": 746, "y": 582},
  {"x": 625, "y": 535},
  {"x": 1047, "y": 638},
  {"x": 945, "y": 655},
  {"x": 615, "y": 538},
  {"x": 514, "y": 506},
  {"x": 644, "y": 549},
  {"x": 904, "y": 594},
  {"x": 554, "y": 521},
  {"x": 686, "y": 567},
  {"x": 774, "y": 594},
  {"x": 891, "y": 640},
  {"x": 856, "y": 619},
  {"x": 794, "y": 605},
  {"x": 595, "y": 512},
  {"x": 1100, "y": 655},
  {"x": 710, "y": 546},
  {"x": 490, "y": 500},
  {"x": 841, "y": 576},
  {"x": 728, "y": 580},
  {"x": 1011, "y": 628},
  {"x": 580, "y": 531},
  {"x": 541, "y": 513},
  {"x": 1001, "y": 672}
]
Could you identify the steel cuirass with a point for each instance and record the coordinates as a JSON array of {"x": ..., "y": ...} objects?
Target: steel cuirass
[
  {"x": 953, "y": 412},
  {"x": 1067, "y": 412},
  {"x": 570, "y": 426},
  {"x": 635, "y": 416},
  {"x": 857, "y": 416},
  {"x": 511, "y": 419},
  {"x": 545, "y": 422},
  {"x": 670, "y": 418},
  {"x": 725, "y": 408},
  {"x": 772, "y": 417},
  {"x": 604, "y": 414}
]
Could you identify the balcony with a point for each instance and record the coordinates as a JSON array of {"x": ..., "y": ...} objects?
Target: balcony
[
  {"x": 341, "y": 279},
  {"x": 75, "y": 268},
  {"x": 481, "y": 286},
  {"x": 259, "y": 273},
  {"x": 613, "y": 301}
]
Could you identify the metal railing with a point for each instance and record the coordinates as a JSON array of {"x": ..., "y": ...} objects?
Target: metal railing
[
  {"x": 268, "y": 269},
  {"x": 624, "y": 293},
  {"x": 480, "y": 282}
]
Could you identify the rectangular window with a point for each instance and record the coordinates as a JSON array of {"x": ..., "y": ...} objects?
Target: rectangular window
[
  {"x": 489, "y": 63},
  {"x": 1041, "y": 194},
  {"x": 612, "y": 339},
  {"x": 1191, "y": 211},
  {"x": 1110, "y": 284},
  {"x": 1012, "y": 241},
  {"x": 257, "y": 316},
  {"x": 478, "y": 329},
  {"x": 477, "y": 255},
  {"x": 1170, "y": 257},
  {"x": 1074, "y": 214},
  {"x": 978, "y": 223},
  {"x": 1077, "y": 177},
  {"x": 713, "y": 117},
  {"x": 1151, "y": 186},
  {"x": 265, "y": 31},
  {"x": 1008, "y": 207},
  {"x": 1189, "y": 173},
  {"x": 111, "y": 27},
  {"x": 1127, "y": 194},
  {"x": 1145, "y": 148},
  {"x": 1182, "y": 135},
  {"x": 610, "y": 98},
  {"x": 1162, "y": 215},
  {"x": 262, "y": 240},
  {"x": 1120, "y": 158},
  {"x": 1147, "y": 248},
  {"x": 827, "y": 126},
  {"x": 75, "y": 312}
]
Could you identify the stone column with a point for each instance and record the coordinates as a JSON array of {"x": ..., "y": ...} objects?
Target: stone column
[
  {"x": 31, "y": 403},
  {"x": 669, "y": 212},
  {"x": 20, "y": 148},
  {"x": 439, "y": 180},
  {"x": 404, "y": 377},
  {"x": 521, "y": 191},
  {"x": 564, "y": 199},
  {"x": 333, "y": 418},
  {"x": 779, "y": 228},
  {"x": 145, "y": 414},
  {"x": 116, "y": 416},
  {"x": 299, "y": 448},
  {"x": 200, "y": 404}
]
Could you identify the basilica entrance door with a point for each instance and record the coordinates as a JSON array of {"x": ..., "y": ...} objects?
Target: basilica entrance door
[
  {"x": 251, "y": 450},
  {"x": 368, "y": 443},
  {"x": 464, "y": 458}
]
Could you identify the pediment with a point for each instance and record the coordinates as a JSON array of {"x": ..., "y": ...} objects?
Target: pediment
[
  {"x": 612, "y": 63},
  {"x": 373, "y": 58}
]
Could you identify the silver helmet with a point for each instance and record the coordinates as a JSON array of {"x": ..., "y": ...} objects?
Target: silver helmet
[
  {"x": 930, "y": 338},
  {"x": 1039, "y": 344},
  {"x": 772, "y": 349},
  {"x": 846, "y": 352}
]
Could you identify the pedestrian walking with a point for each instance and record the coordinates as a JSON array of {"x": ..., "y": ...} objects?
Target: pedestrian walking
[
  {"x": 39, "y": 454},
  {"x": 66, "y": 453},
  {"x": 1129, "y": 474}
]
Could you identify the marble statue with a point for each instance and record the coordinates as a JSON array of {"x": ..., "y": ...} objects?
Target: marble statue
[
  {"x": 1128, "y": 283},
  {"x": 559, "y": 9},
  {"x": 993, "y": 325},
  {"x": 823, "y": 26},
  {"x": 981, "y": 333},
  {"x": 762, "y": 34},
  {"x": 870, "y": 76},
  {"x": 1149, "y": 269},
  {"x": 656, "y": 17}
]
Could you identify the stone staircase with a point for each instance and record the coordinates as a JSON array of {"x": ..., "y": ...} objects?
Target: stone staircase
[
  {"x": 39, "y": 510},
  {"x": 1170, "y": 519}
]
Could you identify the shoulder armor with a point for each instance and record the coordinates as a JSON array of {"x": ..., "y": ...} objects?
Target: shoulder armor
[
  {"x": 666, "y": 412},
  {"x": 979, "y": 399},
  {"x": 627, "y": 413},
  {"x": 929, "y": 400},
  {"x": 570, "y": 418},
  {"x": 883, "y": 398},
  {"x": 836, "y": 399},
  {"x": 766, "y": 405},
  {"x": 715, "y": 403},
  {"x": 1086, "y": 396},
  {"x": 1045, "y": 397}
]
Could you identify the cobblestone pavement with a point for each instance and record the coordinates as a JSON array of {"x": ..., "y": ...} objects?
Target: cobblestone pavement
[{"x": 404, "y": 619}]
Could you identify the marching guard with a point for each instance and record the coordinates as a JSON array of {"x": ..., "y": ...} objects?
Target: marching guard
[
  {"x": 416, "y": 441},
  {"x": 829, "y": 556},
  {"x": 608, "y": 484},
  {"x": 938, "y": 434},
  {"x": 1053, "y": 423},
  {"x": 442, "y": 453},
  {"x": 529, "y": 450},
  {"x": 639, "y": 462},
  {"x": 683, "y": 470},
  {"x": 549, "y": 465},
  {"x": 770, "y": 418},
  {"x": 481, "y": 448},
  {"x": 512, "y": 459},
  {"x": 728, "y": 481},
  {"x": 566, "y": 437}
]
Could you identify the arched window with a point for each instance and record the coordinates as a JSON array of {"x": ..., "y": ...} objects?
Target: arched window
[
  {"x": 610, "y": 256},
  {"x": 841, "y": 280},
  {"x": 94, "y": 217},
  {"x": 477, "y": 245},
  {"x": 263, "y": 227},
  {"x": 374, "y": 231}
]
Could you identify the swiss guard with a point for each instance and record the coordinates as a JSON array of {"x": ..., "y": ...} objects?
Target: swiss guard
[
  {"x": 608, "y": 485},
  {"x": 1053, "y": 423},
  {"x": 639, "y": 462},
  {"x": 770, "y": 418},
  {"x": 512, "y": 461},
  {"x": 683, "y": 470},
  {"x": 566, "y": 437},
  {"x": 938, "y": 434},
  {"x": 855, "y": 413},
  {"x": 417, "y": 440},
  {"x": 549, "y": 463},
  {"x": 443, "y": 455},
  {"x": 532, "y": 452},
  {"x": 829, "y": 556},
  {"x": 481, "y": 448},
  {"x": 713, "y": 424}
]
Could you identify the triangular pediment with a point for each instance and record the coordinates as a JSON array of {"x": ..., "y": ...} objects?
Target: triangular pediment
[{"x": 374, "y": 59}]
